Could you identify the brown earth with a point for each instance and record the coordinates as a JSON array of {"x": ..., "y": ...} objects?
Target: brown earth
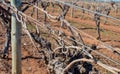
[{"x": 32, "y": 63}]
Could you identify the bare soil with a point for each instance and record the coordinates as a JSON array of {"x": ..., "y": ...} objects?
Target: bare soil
[{"x": 32, "y": 63}]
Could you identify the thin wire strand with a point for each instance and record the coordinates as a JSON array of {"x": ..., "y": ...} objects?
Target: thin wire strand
[{"x": 78, "y": 7}]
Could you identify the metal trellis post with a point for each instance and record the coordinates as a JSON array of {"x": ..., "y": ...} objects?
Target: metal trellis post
[{"x": 16, "y": 40}]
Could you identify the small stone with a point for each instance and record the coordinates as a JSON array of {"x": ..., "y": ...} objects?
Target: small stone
[{"x": 29, "y": 69}]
